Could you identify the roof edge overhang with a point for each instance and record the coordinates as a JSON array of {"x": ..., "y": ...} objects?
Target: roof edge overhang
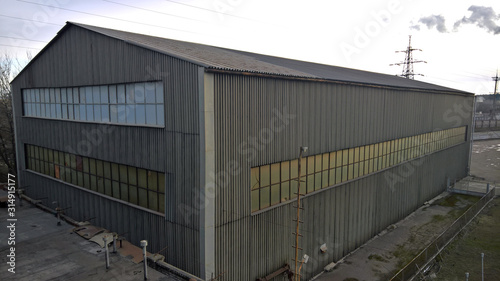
[{"x": 340, "y": 82}]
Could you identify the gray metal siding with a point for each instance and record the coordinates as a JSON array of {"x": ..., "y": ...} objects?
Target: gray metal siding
[
  {"x": 80, "y": 57},
  {"x": 328, "y": 117}
]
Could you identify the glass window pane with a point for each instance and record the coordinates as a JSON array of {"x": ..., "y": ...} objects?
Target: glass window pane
[
  {"x": 112, "y": 94},
  {"x": 265, "y": 197},
  {"x": 99, "y": 168},
  {"x": 130, "y": 91},
  {"x": 106, "y": 169},
  {"x": 88, "y": 95},
  {"x": 130, "y": 113},
  {"x": 275, "y": 173},
  {"x": 294, "y": 166},
  {"x": 58, "y": 95},
  {"x": 64, "y": 111},
  {"x": 132, "y": 175},
  {"x": 95, "y": 94},
  {"x": 143, "y": 198},
  {"x": 326, "y": 160},
  {"x": 108, "y": 188},
  {"x": 140, "y": 114},
  {"x": 150, "y": 92},
  {"x": 115, "y": 173},
  {"x": 113, "y": 113},
  {"x": 71, "y": 115},
  {"x": 121, "y": 112},
  {"x": 310, "y": 165},
  {"x": 103, "y": 92},
  {"x": 82, "y": 113},
  {"x": 90, "y": 112},
  {"x": 139, "y": 93},
  {"x": 64, "y": 96},
  {"x": 58, "y": 111},
  {"x": 150, "y": 114},
  {"x": 69, "y": 92},
  {"x": 285, "y": 171},
  {"x": 319, "y": 161},
  {"x": 285, "y": 191},
  {"x": 254, "y": 178},
  {"x": 116, "y": 189},
  {"x": 124, "y": 192},
  {"x": 159, "y": 92},
  {"x": 153, "y": 180},
  {"x": 160, "y": 119},
  {"x": 53, "y": 110},
  {"x": 161, "y": 182},
  {"x": 123, "y": 174},
  {"x": 275, "y": 194},
  {"x": 120, "y": 93},
  {"x": 52, "y": 96},
  {"x": 97, "y": 113},
  {"x": 142, "y": 178},
  {"x": 153, "y": 200},
  {"x": 105, "y": 113},
  {"x": 264, "y": 175},
  {"x": 85, "y": 164}
]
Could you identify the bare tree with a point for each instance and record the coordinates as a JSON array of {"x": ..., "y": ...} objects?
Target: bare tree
[{"x": 8, "y": 68}]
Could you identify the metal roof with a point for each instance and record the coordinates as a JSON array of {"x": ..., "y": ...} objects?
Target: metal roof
[{"x": 222, "y": 59}]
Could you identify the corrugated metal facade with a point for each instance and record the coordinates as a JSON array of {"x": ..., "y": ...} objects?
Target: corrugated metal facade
[
  {"x": 257, "y": 120},
  {"x": 82, "y": 58},
  {"x": 266, "y": 120}
]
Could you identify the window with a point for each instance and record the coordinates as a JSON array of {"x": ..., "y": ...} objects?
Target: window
[
  {"x": 135, "y": 185},
  {"x": 133, "y": 103},
  {"x": 278, "y": 182}
]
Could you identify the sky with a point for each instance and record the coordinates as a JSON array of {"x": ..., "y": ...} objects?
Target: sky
[{"x": 460, "y": 40}]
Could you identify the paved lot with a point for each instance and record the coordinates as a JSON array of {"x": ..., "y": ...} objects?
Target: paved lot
[
  {"x": 486, "y": 160},
  {"x": 45, "y": 251}
]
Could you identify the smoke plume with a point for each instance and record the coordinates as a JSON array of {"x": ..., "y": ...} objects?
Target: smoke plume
[
  {"x": 434, "y": 21},
  {"x": 483, "y": 17}
]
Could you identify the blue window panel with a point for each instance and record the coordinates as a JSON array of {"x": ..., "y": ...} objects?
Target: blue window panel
[
  {"x": 37, "y": 95},
  {"x": 70, "y": 112},
  {"x": 113, "y": 113},
  {"x": 120, "y": 93},
  {"x": 38, "y": 110},
  {"x": 103, "y": 90},
  {"x": 121, "y": 113},
  {"x": 88, "y": 95},
  {"x": 150, "y": 92},
  {"x": 130, "y": 93},
  {"x": 159, "y": 92},
  {"x": 76, "y": 96},
  {"x": 64, "y": 111},
  {"x": 58, "y": 95},
  {"x": 150, "y": 114},
  {"x": 82, "y": 112},
  {"x": 33, "y": 109},
  {"x": 95, "y": 94},
  {"x": 46, "y": 95},
  {"x": 64, "y": 95},
  {"x": 112, "y": 94},
  {"x": 25, "y": 96},
  {"x": 52, "y": 111},
  {"x": 105, "y": 113},
  {"x": 140, "y": 114},
  {"x": 130, "y": 113},
  {"x": 52, "y": 95},
  {"x": 97, "y": 113},
  {"x": 90, "y": 112},
  {"x": 27, "y": 108},
  {"x": 47, "y": 110},
  {"x": 58, "y": 111},
  {"x": 42, "y": 110},
  {"x": 70, "y": 95},
  {"x": 160, "y": 119},
  {"x": 139, "y": 93}
]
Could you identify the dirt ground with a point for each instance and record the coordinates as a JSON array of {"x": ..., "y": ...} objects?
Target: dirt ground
[{"x": 486, "y": 160}]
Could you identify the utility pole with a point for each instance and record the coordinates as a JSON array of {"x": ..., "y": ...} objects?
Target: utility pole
[
  {"x": 297, "y": 234},
  {"x": 408, "y": 62},
  {"x": 494, "y": 110}
]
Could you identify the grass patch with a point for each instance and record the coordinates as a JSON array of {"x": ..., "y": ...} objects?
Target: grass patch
[
  {"x": 437, "y": 218},
  {"x": 377, "y": 258}
]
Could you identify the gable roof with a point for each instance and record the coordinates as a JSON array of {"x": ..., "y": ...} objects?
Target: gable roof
[{"x": 222, "y": 59}]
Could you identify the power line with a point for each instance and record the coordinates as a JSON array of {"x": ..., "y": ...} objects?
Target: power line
[
  {"x": 19, "y": 38},
  {"x": 153, "y": 11},
  {"x": 20, "y": 47},
  {"x": 107, "y": 17},
  {"x": 31, "y": 20}
]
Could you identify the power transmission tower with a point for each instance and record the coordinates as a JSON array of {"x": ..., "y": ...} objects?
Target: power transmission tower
[{"x": 408, "y": 62}]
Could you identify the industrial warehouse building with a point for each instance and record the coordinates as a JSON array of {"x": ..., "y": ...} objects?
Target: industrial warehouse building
[{"x": 195, "y": 148}]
